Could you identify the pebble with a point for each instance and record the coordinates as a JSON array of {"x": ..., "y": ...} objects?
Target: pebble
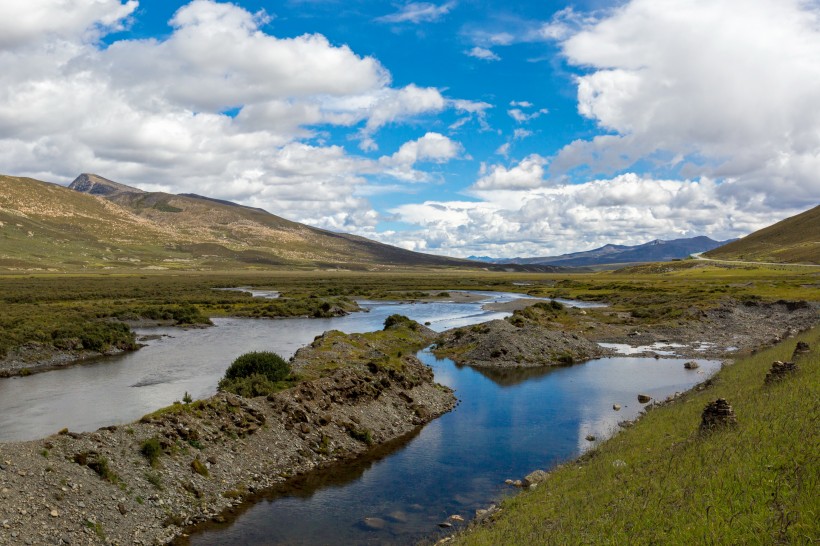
[{"x": 55, "y": 513}]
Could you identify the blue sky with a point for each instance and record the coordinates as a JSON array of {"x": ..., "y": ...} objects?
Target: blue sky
[{"x": 459, "y": 127}]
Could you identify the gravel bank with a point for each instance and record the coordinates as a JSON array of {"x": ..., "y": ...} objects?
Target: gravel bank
[{"x": 99, "y": 488}]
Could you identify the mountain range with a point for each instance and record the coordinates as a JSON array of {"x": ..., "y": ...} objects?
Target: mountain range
[
  {"x": 653, "y": 251},
  {"x": 97, "y": 223}
]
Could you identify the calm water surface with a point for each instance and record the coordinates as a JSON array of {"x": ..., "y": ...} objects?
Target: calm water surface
[{"x": 507, "y": 425}]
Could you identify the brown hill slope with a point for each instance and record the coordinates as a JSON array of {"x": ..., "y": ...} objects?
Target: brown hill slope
[
  {"x": 97, "y": 223},
  {"x": 793, "y": 240}
]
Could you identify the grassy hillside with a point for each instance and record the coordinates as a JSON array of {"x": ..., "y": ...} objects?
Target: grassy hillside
[
  {"x": 44, "y": 226},
  {"x": 793, "y": 240},
  {"x": 663, "y": 482}
]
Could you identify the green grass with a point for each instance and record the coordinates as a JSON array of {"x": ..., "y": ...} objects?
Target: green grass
[
  {"x": 383, "y": 349},
  {"x": 663, "y": 482},
  {"x": 151, "y": 450},
  {"x": 793, "y": 240}
]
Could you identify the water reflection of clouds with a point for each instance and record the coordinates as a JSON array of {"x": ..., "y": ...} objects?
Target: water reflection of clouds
[{"x": 618, "y": 380}]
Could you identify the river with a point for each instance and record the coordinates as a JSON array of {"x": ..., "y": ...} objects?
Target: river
[{"x": 506, "y": 425}]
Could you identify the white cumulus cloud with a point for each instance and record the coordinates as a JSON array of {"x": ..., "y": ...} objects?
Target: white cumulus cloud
[
  {"x": 153, "y": 112},
  {"x": 482, "y": 53},
  {"x": 729, "y": 89},
  {"x": 517, "y": 213},
  {"x": 418, "y": 12},
  {"x": 27, "y": 23}
]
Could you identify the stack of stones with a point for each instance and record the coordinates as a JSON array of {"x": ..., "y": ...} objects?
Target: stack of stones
[
  {"x": 717, "y": 414},
  {"x": 780, "y": 370},
  {"x": 801, "y": 349}
]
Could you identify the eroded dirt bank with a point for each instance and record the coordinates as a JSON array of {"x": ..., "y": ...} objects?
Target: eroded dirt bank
[{"x": 101, "y": 487}]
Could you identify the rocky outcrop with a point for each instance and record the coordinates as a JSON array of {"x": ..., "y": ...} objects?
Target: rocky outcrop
[
  {"x": 97, "y": 185},
  {"x": 499, "y": 344},
  {"x": 143, "y": 483}
]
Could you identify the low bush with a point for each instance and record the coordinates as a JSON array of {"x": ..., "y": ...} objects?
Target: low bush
[
  {"x": 256, "y": 374},
  {"x": 399, "y": 320},
  {"x": 151, "y": 450},
  {"x": 265, "y": 363}
]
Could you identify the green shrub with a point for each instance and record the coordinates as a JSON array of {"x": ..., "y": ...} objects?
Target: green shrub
[
  {"x": 151, "y": 450},
  {"x": 199, "y": 468},
  {"x": 395, "y": 320},
  {"x": 264, "y": 363},
  {"x": 362, "y": 435}
]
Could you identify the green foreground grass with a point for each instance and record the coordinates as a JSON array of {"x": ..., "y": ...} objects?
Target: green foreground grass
[{"x": 663, "y": 482}]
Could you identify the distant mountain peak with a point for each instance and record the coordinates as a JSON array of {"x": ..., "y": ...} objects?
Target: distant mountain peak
[
  {"x": 656, "y": 250},
  {"x": 97, "y": 185}
]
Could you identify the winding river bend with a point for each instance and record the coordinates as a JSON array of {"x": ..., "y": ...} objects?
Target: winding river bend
[{"x": 507, "y": 424}]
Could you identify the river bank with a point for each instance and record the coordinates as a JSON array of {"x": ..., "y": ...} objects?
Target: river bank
[
  {"x": 665, "y": 481},
  {"x": 108, "y": 487}
]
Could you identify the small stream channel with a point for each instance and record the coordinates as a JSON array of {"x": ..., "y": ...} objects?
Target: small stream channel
[{"x": 507, "y": 424}]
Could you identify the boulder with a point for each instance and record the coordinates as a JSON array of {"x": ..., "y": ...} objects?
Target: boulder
[
  {"x": 616, "y": 407},
  {"x": 537, "y": 476},
  {"x": 691, "y": 365},
  {"x": 644, "y": 398}
]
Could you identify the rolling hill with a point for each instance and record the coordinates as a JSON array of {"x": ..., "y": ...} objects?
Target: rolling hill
[
  {"x": 793, "y": 240},
  {"x": 96, "y": 223},
  {"x": 653, "y": 251}
]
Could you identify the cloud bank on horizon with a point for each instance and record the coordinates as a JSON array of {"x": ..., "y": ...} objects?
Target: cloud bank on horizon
[{"x": 445, "y": 127}]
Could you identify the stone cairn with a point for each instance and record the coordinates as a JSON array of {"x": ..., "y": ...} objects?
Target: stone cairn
[
  {"x": 802, "y": 348},
  {"x": 780, "y": 370},
  {"x": 717, "y": 414}
]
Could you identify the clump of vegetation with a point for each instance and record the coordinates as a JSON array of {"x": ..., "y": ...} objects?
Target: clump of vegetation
[
  {"x": 151, "y": 449},
  {"x": 96, "y": 527},
  {"x": 362, "y": 435},
  {"x": 154, "y": 479},
  {"x": 98, "y": 464},
  {"x": 200, "y": 468},
  {"x": 395, "y": 321},
  {"x": 257, "y": 374}
]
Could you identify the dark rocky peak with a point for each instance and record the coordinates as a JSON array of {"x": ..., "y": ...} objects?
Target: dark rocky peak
[{"x": 97, "y": 185}]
